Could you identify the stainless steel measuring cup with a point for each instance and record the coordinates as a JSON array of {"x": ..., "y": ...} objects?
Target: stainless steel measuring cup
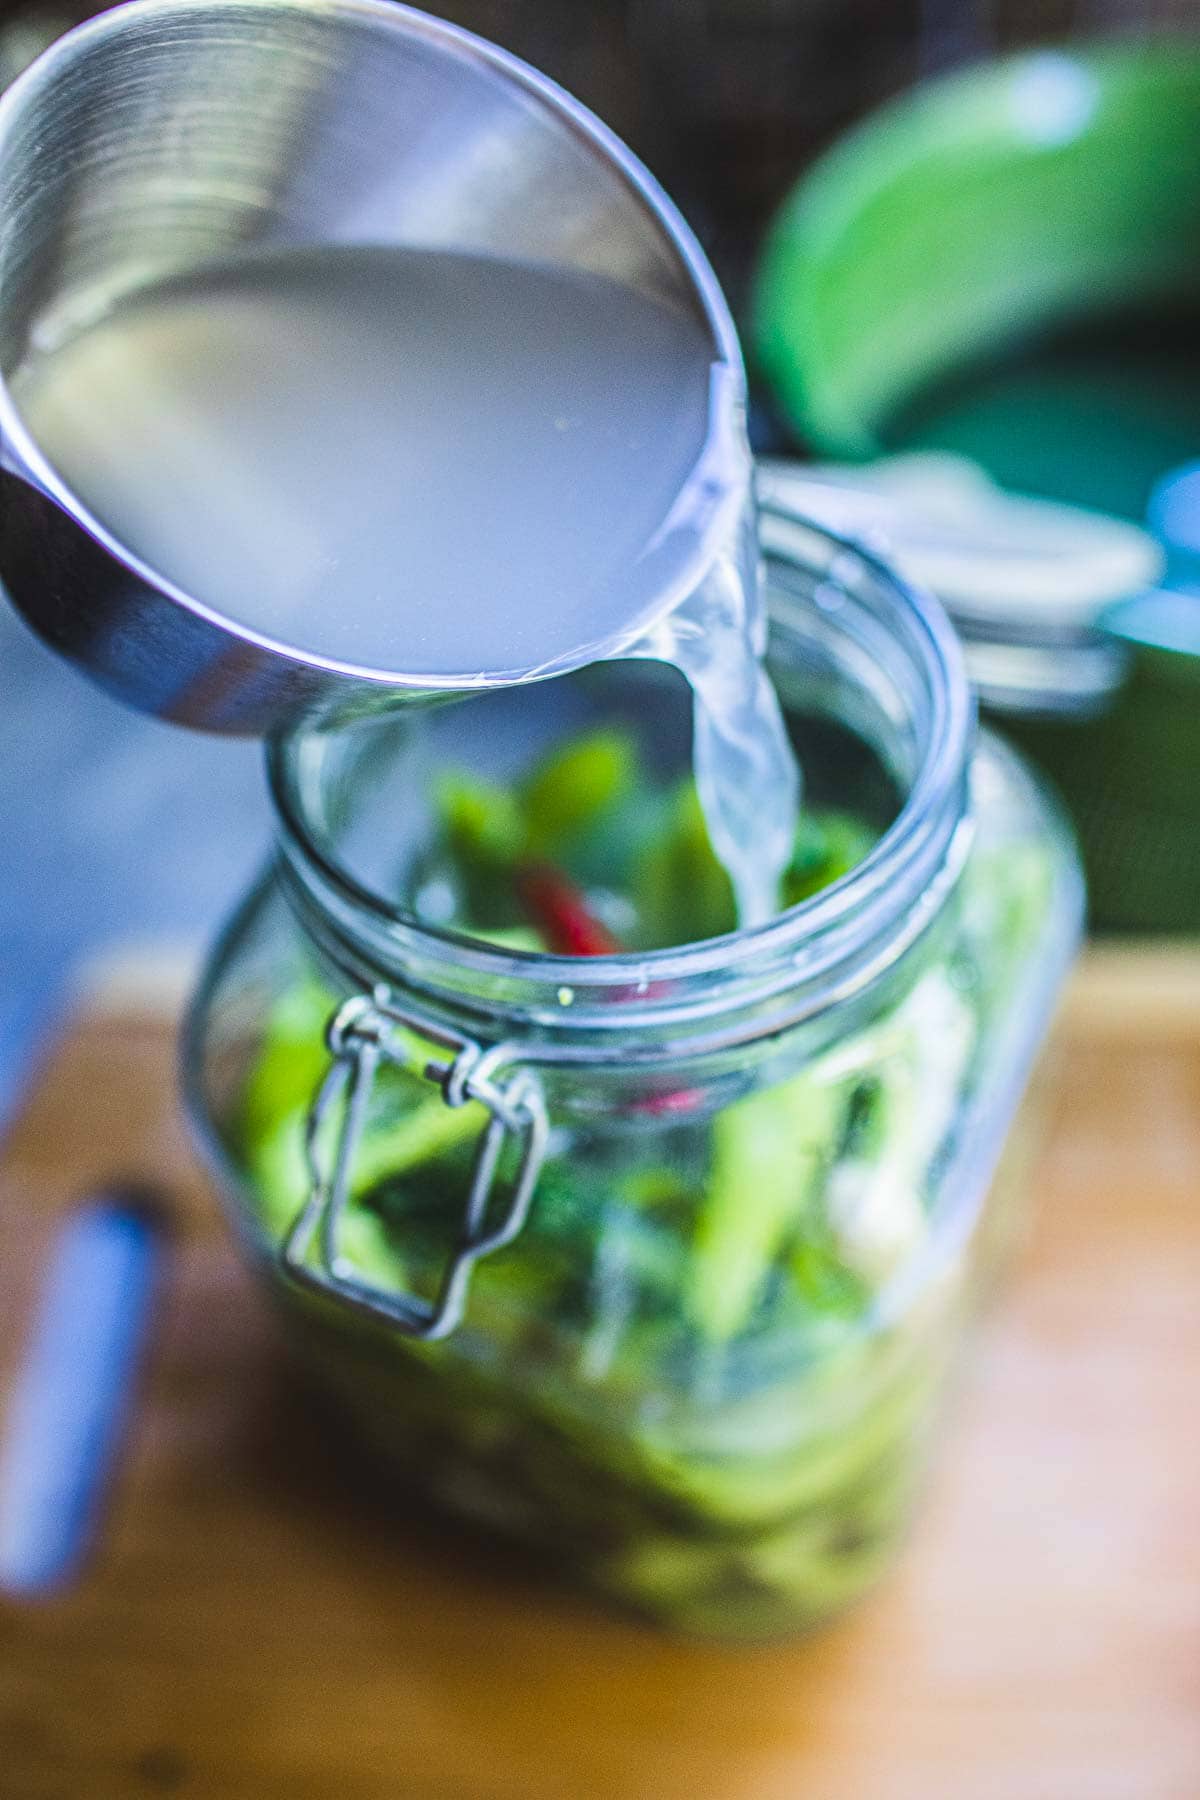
[{"x": 171, "y": 133}]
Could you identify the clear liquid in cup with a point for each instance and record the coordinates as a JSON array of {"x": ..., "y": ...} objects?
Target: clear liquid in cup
[{"x": 457, "y": 467}]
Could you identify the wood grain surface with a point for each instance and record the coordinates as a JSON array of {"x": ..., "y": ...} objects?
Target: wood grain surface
[{"x": 260, "y": 1620}]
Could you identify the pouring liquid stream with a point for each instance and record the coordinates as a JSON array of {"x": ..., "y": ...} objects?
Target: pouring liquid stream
[
  {"x": 746, "y": 773},
  {"x": 471, "y": 469}
]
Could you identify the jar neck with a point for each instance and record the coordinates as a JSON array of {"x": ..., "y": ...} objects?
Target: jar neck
[{"x": 847, "y": 637}]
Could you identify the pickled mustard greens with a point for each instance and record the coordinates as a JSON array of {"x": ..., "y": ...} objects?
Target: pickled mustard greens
[
  {"x": 677, "y": 1377},
  {"x": 590, "y": 855}
]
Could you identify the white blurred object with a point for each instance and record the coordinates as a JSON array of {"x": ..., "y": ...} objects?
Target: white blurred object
[{"x": 983, "y": 551}]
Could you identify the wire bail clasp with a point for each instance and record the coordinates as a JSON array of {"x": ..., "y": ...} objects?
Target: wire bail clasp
[{"x": 366, "y": 1031}]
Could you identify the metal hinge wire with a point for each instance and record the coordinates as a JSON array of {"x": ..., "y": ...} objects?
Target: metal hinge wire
[{"x": 365, "y": 1032}]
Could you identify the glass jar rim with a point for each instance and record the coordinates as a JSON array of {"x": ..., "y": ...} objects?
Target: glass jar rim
[{"x": 864, "y": 919}]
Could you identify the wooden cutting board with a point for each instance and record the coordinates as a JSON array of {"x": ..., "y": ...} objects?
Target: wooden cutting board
[{"x": 261, "y": 1622}]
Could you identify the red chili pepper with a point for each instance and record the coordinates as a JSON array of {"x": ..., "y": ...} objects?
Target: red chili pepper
[
  {"x": 683, "y": 1100},
  {"x": 560, "y": 912}
]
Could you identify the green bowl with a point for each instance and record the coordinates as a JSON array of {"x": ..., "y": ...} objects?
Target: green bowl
[{"x": 980, "y": 209}]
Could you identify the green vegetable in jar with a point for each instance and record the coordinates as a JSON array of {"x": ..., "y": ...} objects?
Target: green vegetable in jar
[{"x": 678, "y": 1375}]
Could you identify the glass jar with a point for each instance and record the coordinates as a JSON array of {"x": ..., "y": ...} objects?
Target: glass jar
[
  {"x": 657, "y": 1262},
  {"x": 1124, "y": 757},
  {"x": 1073, "y": 651}
]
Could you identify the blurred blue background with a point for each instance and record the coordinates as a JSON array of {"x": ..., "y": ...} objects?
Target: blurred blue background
[{"x": 111, "y": 827}]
